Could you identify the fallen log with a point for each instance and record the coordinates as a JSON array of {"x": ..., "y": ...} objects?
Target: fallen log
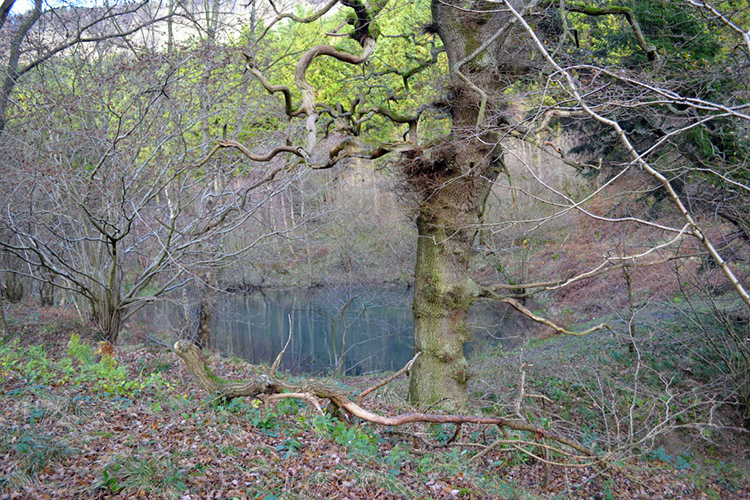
[{"x": 262, "y": 384}]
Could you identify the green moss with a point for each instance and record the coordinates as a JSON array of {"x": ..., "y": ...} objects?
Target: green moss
[
  {"x": 376, "y": 6},
  {"x": 213, "y": 377},
  {"x": 472, "y": 42}
]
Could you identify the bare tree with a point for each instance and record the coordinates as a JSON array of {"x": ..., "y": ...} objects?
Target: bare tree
[
  {"x": 126, "y": 206},
  {"x": 47, "y": 30},
  {"x": 32, "y": 38}
]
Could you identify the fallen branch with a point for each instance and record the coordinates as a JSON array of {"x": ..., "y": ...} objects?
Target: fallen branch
[
  {"x": 264, "y": 385},
  {"x": 157, "y": 342},
  {"x": 310, "y": 398},
  {"x": 527, "y": 312}
]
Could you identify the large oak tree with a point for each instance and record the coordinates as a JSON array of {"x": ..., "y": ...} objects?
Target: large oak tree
[{"x": 495, "y": 49}]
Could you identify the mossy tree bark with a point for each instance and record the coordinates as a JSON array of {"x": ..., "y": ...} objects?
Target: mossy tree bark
[
  {"x": 453, "y": 180},
  {"x": 106, "y": 302},
  {"x": 447, "y": 225}
]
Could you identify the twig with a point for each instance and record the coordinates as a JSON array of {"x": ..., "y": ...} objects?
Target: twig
[
  {"x": 158, "y": 342},
  {"x": 388, "y": 380},
  {"x": 277, "y": 361},
  {"x": 455, "y": 434}
]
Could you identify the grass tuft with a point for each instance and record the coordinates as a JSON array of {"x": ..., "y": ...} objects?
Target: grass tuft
[{"x": 142, "y": 471}]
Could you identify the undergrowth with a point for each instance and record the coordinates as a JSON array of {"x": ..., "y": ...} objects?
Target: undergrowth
[
  {"x": 81, "y": 367},
  {"x": 139, "y": 432}
]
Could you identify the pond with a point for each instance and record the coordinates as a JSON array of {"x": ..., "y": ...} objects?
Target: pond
[{"x": 358, "y": 329}]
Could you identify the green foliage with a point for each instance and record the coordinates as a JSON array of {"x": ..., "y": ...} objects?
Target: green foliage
[
  {"x": 288, "y": 406},
  {"x": 38, "y": 368},
  {"x": 679, "y": 462},
  {"x": 660, "y": 455},
  {"x": 697, "y": 59},
  {"x": 30, "y": 363},
  {"x": 338, "y": 83},
  {"x": 108, "y": 378},
  {"x": 679, "y": 35},
  {"x": 396, "y": 457},
  {"x": 441, "y": 433},
  {"x": 355, "y": 439},
  {"x": 258, "y": 415},
  {"x": 730, "y": 476},
  {"x": 288, "y": 447},
  {"x": 80, "y": 367},
  {"x": 264, "y": 419},
  {"x": 80, "y": 352}
]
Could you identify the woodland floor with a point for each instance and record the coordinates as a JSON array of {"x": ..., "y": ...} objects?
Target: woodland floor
[{"x": 72, "y": 427}]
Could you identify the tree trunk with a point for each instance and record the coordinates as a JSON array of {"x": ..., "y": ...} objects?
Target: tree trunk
[
  {"x": 453, "y": 181},
  {"x": 47, "y": 288},
  {"x": 109, "y": 309},
  {"x": 46, "y": 294},
  {"x": 13, "y": 288},
  {"x": 204, "y": 318},
  {"x": 110, "y": 321},
  {"x": 14, "y": 56},
  {"x": 447, "y": 226},
  {"x": 441, "y": 298},
  {"x": 107, "y": 318},
  {"x": 3, "y": 325}
]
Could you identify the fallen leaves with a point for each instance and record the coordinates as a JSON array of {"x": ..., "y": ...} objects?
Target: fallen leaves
[{"x": 167, "y": 445}]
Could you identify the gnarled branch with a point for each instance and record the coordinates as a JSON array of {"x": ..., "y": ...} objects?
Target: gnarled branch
[{"x": 262, "y": 385}]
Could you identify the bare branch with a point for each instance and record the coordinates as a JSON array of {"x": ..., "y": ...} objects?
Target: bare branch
[
  {"x": 386, "y": 381},
  {"x": 745, "y": 34},
  {"x": 527, "y": 312},
  {"x": 618, "y": 10},
  {"x": 638, "y": 159},
  {"x": 277, "y": 361}
]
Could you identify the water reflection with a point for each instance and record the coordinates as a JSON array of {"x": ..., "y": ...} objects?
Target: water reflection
[
  {"x": 346, "y": 329},
  {"x": 357, "y": 331}
]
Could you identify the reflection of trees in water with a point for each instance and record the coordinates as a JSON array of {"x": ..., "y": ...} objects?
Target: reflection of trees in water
[
  {"x": 359, "y": 329},
  {"x": 377, "y": 322}
]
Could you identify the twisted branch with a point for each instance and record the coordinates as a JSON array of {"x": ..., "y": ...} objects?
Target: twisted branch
[{"x": 263, "y": 385}]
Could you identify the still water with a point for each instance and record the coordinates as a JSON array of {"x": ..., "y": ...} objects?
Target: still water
[
  {"x": 372, "y": 328},
  {"x": 361, "y": 330}
]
